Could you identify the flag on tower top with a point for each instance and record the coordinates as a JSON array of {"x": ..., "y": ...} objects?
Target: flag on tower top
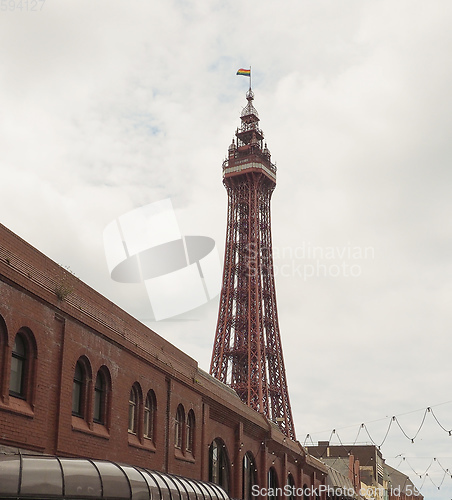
[{"x": 244, "y": 72}]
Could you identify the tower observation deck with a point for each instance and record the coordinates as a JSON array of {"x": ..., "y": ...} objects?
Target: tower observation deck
[{"x": 247, "y": 352}]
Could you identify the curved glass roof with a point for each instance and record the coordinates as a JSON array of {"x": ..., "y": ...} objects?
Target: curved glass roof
[{"x": 30, "y": 476}]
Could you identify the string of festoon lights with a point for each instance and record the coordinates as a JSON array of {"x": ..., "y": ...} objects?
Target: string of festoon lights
[
  {"x": 447, "y": 473},
  {"x": 394, "y": 421}
]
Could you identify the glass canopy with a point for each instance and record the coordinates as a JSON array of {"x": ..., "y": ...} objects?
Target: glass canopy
[{"x": 39, "y": 477}]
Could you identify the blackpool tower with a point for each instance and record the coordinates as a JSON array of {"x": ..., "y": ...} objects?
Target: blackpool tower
[{"x": 247, "y": 353}]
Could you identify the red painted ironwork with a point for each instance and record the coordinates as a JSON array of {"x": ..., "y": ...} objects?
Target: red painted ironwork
[{"x": 247, "y": 353}]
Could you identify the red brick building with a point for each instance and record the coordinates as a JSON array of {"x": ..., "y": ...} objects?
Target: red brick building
[{"x": 80, "y": 377}]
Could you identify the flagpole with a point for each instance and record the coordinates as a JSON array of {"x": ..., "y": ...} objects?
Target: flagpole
[{"x": 250, "y": 77}]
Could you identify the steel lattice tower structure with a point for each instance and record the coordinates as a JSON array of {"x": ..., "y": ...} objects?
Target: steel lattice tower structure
[{"x": 247, "y": 353}]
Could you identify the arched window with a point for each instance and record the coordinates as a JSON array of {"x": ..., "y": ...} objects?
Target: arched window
[
  {"x": 305, "y": 492},
  {"x": 272, "y": 484},
  {"x": 291, "y": 490},
  {"x": 190, "y": 432},
  {"x": 18, "y": 366},
  {"x": 134, "y": 409},
  {"x": 179, "y": 427},
  {"x": 101, "y": 396},
  {"x": 219, "y": 464},
  {"x": 82, "y": 376},
  {"x": 249, "y": 475},
  {"x": 23, "y": 356},
  {"x": 149, "y": 416}
]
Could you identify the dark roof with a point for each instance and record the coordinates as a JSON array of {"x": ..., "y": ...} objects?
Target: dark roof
[
  {"x": 31, "y": 476},
  {"x": 401, "y": 481},
  {"x": 341, "y": 464},
  {"x": 340, "y": 482}
]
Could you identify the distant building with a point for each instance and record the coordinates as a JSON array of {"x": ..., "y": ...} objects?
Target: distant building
[
  {"x": 339, "y": 484},
  {"x": 366, "y": 469},
  {"x": 348, "y": 468}
]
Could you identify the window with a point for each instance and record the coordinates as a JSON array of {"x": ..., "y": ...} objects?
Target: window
[
  {"x": 23, "y": 355},
  {"x": 18, "y": 366},
  {"x": 249, "y": 475},
  {"x": 133, "y": 410},
  {"x": 101, "y": 396},
  {"x": 190, "y": 431},
  {"x": 179, "y": 427},
  {"x": 292, "y": 489},
  {"x": 82, "y": 376},
  {"x": 219, "y": 464},
  {"x": 149, "y": 416},
  {"x": 77, "y": 389},
  {"x": 272, "y": 484}
]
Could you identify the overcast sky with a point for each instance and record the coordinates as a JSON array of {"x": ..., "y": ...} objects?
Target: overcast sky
[{"x": 107, "y": 106}]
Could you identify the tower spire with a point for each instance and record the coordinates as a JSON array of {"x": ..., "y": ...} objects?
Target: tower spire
[{"x": 247, "y": 352}]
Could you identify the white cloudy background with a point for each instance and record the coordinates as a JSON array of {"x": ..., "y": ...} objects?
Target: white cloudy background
[{"x": 106, "y": 106}]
